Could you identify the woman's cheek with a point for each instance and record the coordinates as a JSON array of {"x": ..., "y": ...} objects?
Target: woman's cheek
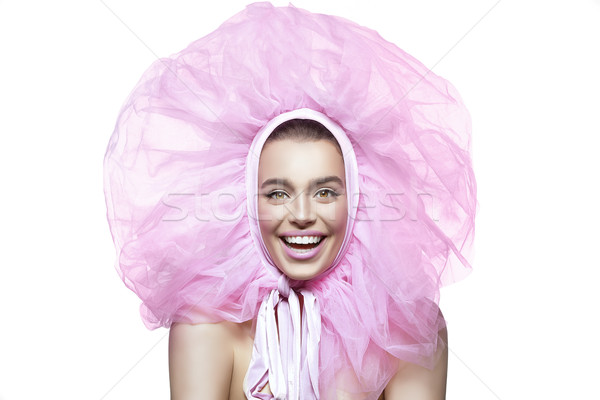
[
  {"x": 339, "y": 212},
  {"x": 270, "y": 215}
]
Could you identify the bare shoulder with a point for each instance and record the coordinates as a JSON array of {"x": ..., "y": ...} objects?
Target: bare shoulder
[
  {"x": 201, "y": 360},
  {"x": 418, "y": 383}
]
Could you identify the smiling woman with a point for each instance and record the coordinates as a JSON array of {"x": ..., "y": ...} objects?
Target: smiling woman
[
  {"x": 302, "y": 207},
  {"x": 326, "y": 284}
]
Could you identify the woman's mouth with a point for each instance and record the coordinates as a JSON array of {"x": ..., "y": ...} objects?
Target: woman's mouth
[
  {"x": 302, "y": 247},
  {"x": 302, "y": 243}
]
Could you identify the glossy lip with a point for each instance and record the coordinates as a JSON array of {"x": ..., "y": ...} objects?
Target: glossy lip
[{"x": 296, "y": 256}]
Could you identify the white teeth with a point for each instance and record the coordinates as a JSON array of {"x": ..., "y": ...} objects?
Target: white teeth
[{"x": 302, "y": 239}]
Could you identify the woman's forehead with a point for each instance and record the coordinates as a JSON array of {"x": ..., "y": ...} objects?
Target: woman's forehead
[{"x": 300, "y": 162}]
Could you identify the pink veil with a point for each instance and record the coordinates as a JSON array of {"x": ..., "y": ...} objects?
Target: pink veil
[{"x": 176, "y": 189}]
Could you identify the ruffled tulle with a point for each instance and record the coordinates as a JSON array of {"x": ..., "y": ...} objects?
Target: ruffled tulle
[{"x": 176, "y": 196}]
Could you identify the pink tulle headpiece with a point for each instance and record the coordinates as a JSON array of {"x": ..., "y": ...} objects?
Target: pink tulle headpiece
[{"x": 180, "y": 174}]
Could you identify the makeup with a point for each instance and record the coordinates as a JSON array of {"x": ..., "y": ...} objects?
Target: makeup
[
  {"x": 304, "y": 228},
  {"x": 303, "y": 251}
]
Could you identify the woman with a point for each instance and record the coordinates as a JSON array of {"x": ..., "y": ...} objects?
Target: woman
[
  {"x": 302, "y": 193},
  {"x": 199, "y": 209}
]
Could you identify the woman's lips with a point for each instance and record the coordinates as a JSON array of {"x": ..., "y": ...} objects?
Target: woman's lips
[{"x": 302, "y": 253}]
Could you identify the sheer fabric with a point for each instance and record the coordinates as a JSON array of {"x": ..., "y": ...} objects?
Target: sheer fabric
[{"x": 176, "y": 189}]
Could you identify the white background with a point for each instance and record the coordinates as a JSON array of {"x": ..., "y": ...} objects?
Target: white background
[{"x": 523, "y": 325}]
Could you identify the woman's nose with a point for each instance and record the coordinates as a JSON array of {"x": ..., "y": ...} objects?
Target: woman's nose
[{"x": 302, "y": 211}]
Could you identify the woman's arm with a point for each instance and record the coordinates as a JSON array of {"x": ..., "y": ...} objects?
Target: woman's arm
[
  {"x": 413, "y": 382},
  {"x": 200, "y": 361}
]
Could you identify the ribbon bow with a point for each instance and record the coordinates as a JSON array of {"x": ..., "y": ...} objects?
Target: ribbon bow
[{"x": 286, "y": 350}]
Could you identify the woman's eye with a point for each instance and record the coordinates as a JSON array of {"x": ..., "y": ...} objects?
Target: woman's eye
[
  {"x": 326, "y": 193},
  {"x": 278, "y": 195}
]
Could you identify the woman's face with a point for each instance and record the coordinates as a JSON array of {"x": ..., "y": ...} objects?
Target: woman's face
[{"x": 302, "y": 206}]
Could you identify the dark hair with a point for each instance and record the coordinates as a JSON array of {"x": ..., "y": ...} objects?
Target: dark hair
[{"x": 302, "y": 130}]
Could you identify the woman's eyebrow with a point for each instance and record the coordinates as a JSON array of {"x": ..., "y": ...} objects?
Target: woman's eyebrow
[
  {"x": 314, "y": 182},
  {"x": 276, "y": 181},
  {"x": 326, "y": 179}
]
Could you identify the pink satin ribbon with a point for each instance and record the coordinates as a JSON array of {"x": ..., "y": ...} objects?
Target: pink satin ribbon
[{"x": 288, "y": 360}]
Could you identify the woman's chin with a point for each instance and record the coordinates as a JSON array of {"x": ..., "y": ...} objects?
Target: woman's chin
[{"x": 301, "y": 271}]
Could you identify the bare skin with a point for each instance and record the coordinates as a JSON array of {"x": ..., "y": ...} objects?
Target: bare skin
[{"x": 209, "y": 361}]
